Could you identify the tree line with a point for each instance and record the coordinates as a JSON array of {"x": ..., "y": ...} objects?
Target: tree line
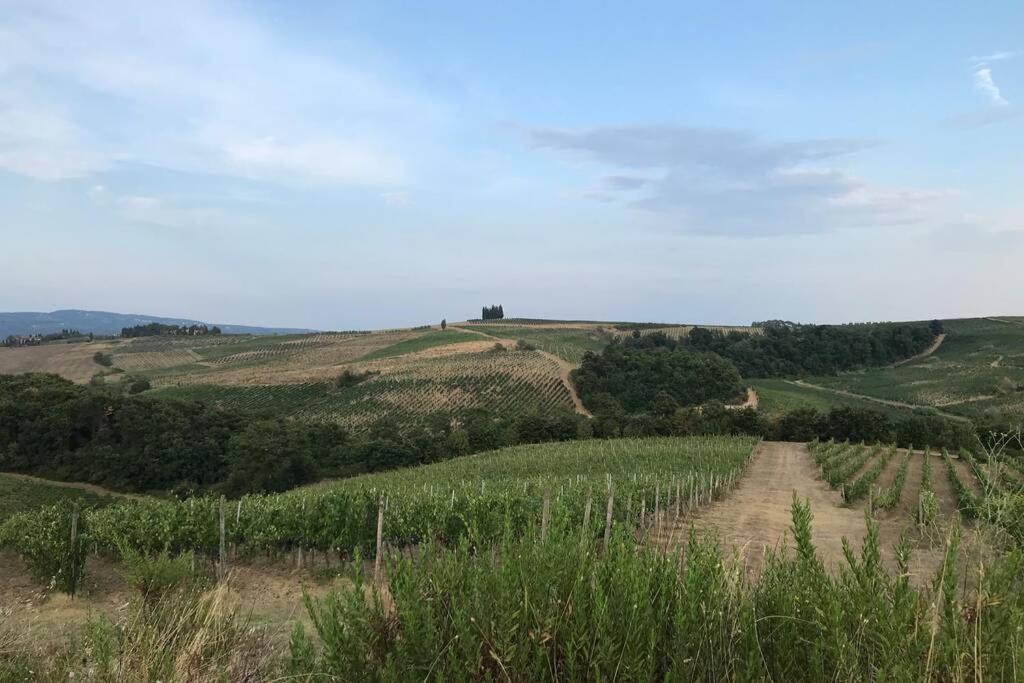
[
  {"x": 106, "y": 435},
  {"x": 492, "y": 313},
  {"x": 785, "y": 349},
  {"x": 160, "y": 329},
  {"x": 647, "y": 373}
]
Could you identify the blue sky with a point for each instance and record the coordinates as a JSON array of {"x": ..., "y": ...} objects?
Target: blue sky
[{"x": 348, "y": 166}]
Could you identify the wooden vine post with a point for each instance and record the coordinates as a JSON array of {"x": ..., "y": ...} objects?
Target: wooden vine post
[
  {"x": 380, "y": 541},
  {"x": 222, "y": 565},
  {"x": 586, "y": 515},
  {"x": 608, "y": 520},
  {"x": 544, "y": 517}
]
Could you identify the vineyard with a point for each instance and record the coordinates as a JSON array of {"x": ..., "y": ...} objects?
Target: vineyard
[
  {"x": 537, "y": 557},
  {"x": 588, "y": 484},
  {"x": 568, "y": 343},
  {"x": 512, "y": 382},
  {"x": 978, "y": 370},
  {"x": 923, "y": 486}
]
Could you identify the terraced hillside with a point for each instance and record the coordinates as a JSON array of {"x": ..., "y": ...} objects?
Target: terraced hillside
[{"x": 978, "y": 370}]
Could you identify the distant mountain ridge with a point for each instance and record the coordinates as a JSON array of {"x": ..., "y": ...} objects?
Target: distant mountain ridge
[{"x": 24, "y": 323}]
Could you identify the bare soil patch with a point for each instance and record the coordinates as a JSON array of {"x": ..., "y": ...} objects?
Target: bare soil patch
[
  {"x": 72, "y": 361},
  {"x": 755, "y": 516}
]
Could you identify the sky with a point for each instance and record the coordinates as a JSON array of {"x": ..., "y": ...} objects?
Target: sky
[{"x": 351, "y": 166}]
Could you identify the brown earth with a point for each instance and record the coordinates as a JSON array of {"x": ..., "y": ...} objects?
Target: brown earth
[
  {"x": 72, "y": 361},
  {"x": 756, "y": 516},
  {"x": 265, "y": 593}
]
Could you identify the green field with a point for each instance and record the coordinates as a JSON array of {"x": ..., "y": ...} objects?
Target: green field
[
  {"x": 567, "y": 343},
  {"x": 978, "y": 370},
  {"x": 777, "y": 397},
  {"x": 427, "y": 340},
  {"x": 486, "y": 496},
  {"x": 22, "y": 495},
  {"x": 513, "y": 382}
]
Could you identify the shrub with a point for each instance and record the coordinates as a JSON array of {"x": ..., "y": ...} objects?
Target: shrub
[
  {"x": 153, "y": 578},
  {"x": 52, "y": 541},
  {"x": 139, "y": 386}
]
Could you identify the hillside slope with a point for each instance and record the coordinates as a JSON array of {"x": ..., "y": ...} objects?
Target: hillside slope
[{"x": 27, "y": 323}]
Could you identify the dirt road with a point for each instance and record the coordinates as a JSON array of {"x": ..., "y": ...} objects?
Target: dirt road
[
  {"x": 875, "y": 399},
  {"x": 936, "y": 343},
  {"x": 755, "y": 516}
]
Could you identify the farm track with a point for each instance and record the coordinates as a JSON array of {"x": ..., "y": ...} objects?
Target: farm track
[
  {"x": 91, "y": 488},
  {"x": 564, "y": 367},
  {"x": 924, "y": 354},
  {"x": 875, "y": 399},
  {"x": 755, "y": 517}
]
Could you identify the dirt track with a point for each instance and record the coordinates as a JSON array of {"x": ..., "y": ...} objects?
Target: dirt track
[
  {"x": 91, "y": 488},
  {"x": 874, "y": 399},
  {"x": 924, "y": 354},
  {"x": 755, "y": 516}
]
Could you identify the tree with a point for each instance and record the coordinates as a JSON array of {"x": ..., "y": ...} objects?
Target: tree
[
  {"x": 444, "y": 324},
  {"x": 139, "y": 386},
  {"x": 492, "y": 313},
  {"x": 936, "y": 327}
]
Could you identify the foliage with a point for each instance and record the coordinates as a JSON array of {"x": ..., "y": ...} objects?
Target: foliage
[
  {"x": 481, "y": 499},
  {"x": 138, "y": 386},
  {"x": 51, "y": 427},
  {"x": 104, "y": 359},
  {"x": 630, "y": 374},
  {"x": 559, "y": 610},
  {"x": 155, "y": 578},
  {"x": 52, "y": 541},
  {"x": 927, "y": 502},
  {"x": 492, "y": 313},
  {"x": 862, "y": 485},
  {"x": 965, "y": 500},
  {"x": 350, "y": 378},
  {"x": 160, "y": 329},
  {"x": 891, "y": 497},
  {"x": 22, "y": 495},
  {"x": 788, "y": 349}
]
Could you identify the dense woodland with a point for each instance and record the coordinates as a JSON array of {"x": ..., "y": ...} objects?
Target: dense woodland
[
  {"x": 159, "y": 329},
  {"x": 653, "y": 373},
  {"x": 54, "y": 428},
  {"x": 785, "y": 349}
]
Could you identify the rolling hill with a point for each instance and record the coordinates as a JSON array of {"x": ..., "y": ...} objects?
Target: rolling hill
[
  {"x": 105, "y": 323},
  {"x": 977, "y": 370}
]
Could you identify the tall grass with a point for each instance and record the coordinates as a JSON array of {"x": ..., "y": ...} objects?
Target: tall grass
[{"x": 553, "y": 610}]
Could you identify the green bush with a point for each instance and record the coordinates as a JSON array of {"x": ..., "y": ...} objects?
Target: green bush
[
  {"x": 52, "y": 542},
  {"x": 155, "y": 577}
]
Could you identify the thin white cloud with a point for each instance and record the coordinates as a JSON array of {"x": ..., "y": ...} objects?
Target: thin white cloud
[
  {"x": 196, "y": 87},
  {"x": 996, "y": 57},
  {"x": 983, "y": 82}
]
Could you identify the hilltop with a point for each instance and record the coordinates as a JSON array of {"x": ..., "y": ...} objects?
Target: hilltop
[
  {"x": 27, "y": 323},
  {"x": 975, "y": 371}
]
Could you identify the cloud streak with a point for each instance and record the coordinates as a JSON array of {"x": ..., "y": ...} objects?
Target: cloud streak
[{"x": 732, "y": 182}]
